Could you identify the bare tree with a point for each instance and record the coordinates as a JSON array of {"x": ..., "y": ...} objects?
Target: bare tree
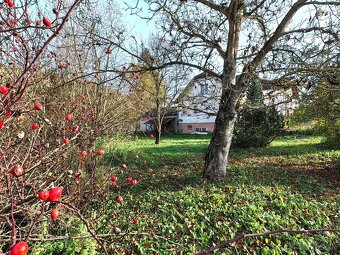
[
  {"x": 272, "y": 39},
  {"x": 164, "y": 85}
]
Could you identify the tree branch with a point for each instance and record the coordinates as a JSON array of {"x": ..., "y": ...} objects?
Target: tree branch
[{"x": 219, "y": 8}]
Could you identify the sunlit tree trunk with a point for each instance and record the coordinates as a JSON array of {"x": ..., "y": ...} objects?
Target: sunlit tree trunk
[{"x": 216, "y": 158}]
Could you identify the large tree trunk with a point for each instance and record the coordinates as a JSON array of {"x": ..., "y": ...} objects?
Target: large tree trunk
[{"x": 216, "y": 157}]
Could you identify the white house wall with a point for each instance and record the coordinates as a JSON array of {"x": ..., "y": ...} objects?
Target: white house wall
[
  {"x": 282, "y": 100},
  {"x": 142, "y": 125},
  {"x": 199, "y": 108}
]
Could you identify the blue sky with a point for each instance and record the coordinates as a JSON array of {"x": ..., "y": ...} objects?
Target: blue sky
[{"x": 140, "y": 27}]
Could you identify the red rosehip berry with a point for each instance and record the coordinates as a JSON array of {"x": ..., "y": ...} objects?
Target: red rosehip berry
[
  {"x": 79, "y": 174},
  {"x": 89, "y": 151},
  {"x": 113, "y": 178},
  {"x": 133, "y": 182},
  {"x": 68, "y": 117},
  {"x": 152, "y": 233},
  {"x": 10, "y": 4},
  {"x": 100, "y": 152},
  {"x": 4, "y": 90},
  {"x": 128, "y": 179},
  {"x": 47, "y": 22},
  {"x": 75, "y": 128},
  {"x": 38, "y": 106},
  {"x": 124, "y": 166},
  {"x": 35, "y": 126},
  {"x": 152, "y": 136},
  {"x": 16, "y": 171},
  {"x": 54, "y": 214},
  {"x": 55, "y": 194},
  {"x": 83, "y": 154},
  {"x": 135, "y": 221},
  {"x": 119, "y": 200},
  {"x": 66, "y": 141},
  {"x": 38, "y": 23},
  {"x": 43, "y": 195},
  {"x": 21, "y": 248}
]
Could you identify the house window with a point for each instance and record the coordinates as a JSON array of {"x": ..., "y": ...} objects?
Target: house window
[
  {"x": 204, "y": 89},
  {"x": 201, "y": 130},
  {"x": 189, "y": 127},
  {"x": 196, "y": 109}
]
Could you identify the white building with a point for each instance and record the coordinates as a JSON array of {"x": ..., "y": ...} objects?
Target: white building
[{"x": 199, "y": 103}]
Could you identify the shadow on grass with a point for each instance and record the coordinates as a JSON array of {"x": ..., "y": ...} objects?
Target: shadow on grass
[
  {"x": 160, "y": 155},
  {"x": 177, "y": 163},
  {"x": 312, "y": 179},
  {"x": 180, "y": 153},
  {"x": 314, "y": 182}
]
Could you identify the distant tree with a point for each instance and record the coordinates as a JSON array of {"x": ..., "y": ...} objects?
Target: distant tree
[
  {"x": 160, "y": 87},
  {"x": 321, "y": 104}
]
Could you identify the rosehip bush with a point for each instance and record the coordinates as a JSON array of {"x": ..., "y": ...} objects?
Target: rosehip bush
[
  {"x": 46, "y": 123},
  {"x": 33, "y": 160}
]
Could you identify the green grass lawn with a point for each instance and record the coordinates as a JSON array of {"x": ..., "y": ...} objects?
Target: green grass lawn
[{"x": 293, "y": 183}]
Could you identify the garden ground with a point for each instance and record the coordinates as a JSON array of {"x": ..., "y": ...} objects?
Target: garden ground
[{"x": 293, "y": 184}]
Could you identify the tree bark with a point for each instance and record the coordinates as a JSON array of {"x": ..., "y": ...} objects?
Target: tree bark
[
  {"x": 216, "y": 157},
  {"x": 158, "y": 137}
]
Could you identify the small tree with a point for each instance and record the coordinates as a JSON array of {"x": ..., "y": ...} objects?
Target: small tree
[
  {"x": 257, "y": 124},
  {"x": 159, "y": 87},
  {"x": 321, "y": 104}
]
